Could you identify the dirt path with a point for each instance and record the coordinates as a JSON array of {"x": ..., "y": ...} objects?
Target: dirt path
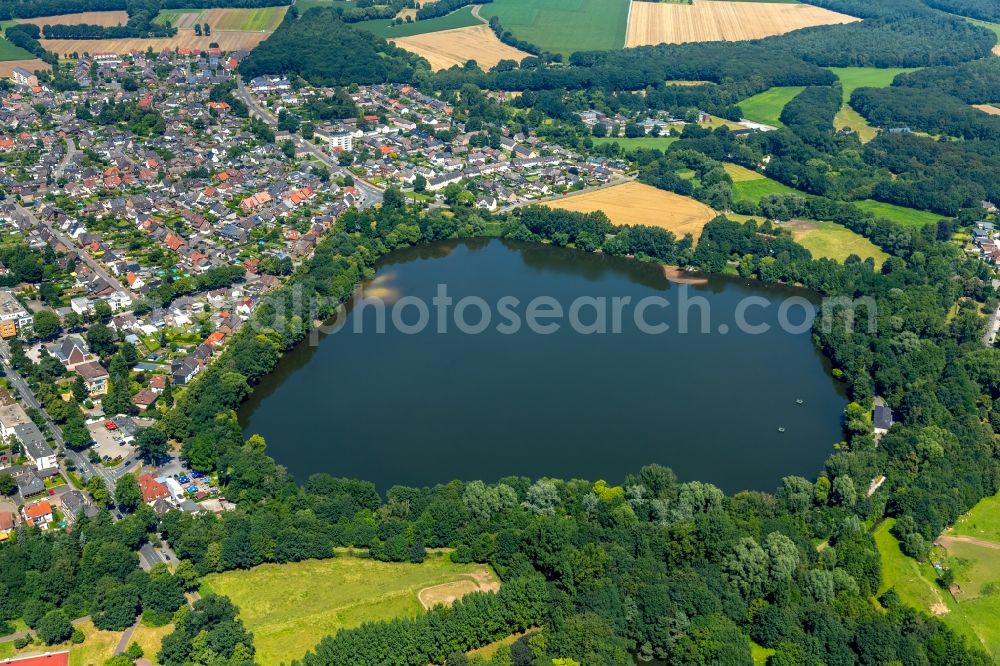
[
  {"x": 945, "y": 541},
  {"x": 446, "y": 593}
]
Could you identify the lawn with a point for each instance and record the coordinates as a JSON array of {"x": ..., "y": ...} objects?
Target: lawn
[
  {"x": 564, "y": 26},
  {"x": 900, "y": 214},
  {"x": 96, "y": 648},
  {"x": 290, "y": 607},
  {"x": 633, "y": 143},
  {"x": 149, "y": 638},
  {"x": 830, "y": 240},
  {"x": 982, "y": 522},
  {"x": 766, "y": 107},
  {"x": 385, "y": 28}
]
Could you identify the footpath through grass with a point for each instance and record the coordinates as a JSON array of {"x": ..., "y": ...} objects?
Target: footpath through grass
[
  {"x": 564, "y": 26},
  {"x": 766, "y": 107},
  {"x": 290, "y": 607}
]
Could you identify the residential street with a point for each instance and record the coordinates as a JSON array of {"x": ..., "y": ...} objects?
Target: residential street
[
  {"x": 95, "y": 266},
  {"x": 86, "y": 468},
  {"x": 371, "y": 194}
]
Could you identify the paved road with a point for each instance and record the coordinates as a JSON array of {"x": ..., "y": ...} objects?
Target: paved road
[
  {"x": 992, "y": 327},
  {"x": 71, "y": 150},
  {"x": 370, "y": 193},
  {"x": 86, "y": 468},
  {"x": 26, "y": 215}
]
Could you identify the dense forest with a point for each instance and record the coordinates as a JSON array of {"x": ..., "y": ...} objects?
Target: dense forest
[
  {"x": 337, "y": 52},
  {"x": 976, "y": 82}
]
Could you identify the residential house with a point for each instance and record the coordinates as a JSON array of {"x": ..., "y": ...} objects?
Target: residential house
[
  {"x": 71, "y": 352},
  {"x": 94, "y": 376},
  {"x": 152, "y": 490},
  {"x": 38, "y": 514}
]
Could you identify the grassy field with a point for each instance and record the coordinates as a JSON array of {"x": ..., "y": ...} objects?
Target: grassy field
[
  {"x": 96, "y": 648},
  {"x": 983, "y": 522},
  {"x": 974, "y": 614},
  {"x": 627, "y": 143},
  {"x": 830, "y": 240},
  {"x": 306, "y": 5},
  {"x": 751, "y": 186},
  {"x": 263, "y": 19},
  {"x": 10, "y": 52},
  {"x": 636, "y": 203},
  {"x": 290, "y": 607},
  {"x": 898, "y": 213},
  {"x": 384, "y": 28},
  {"x": 766, "y": 107},
  {"x": 564, "y": 26},
  {"x": 852, "y": 78}
]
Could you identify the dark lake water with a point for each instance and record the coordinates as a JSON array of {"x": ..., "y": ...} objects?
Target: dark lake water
[{"x": 418, "y": 409}]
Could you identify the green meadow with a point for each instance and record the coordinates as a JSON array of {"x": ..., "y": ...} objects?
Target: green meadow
[
  {"x": 563, "y": 26},
  {"x": 646, "y": 142},
  {"x": 900, "y": 214},
  {"x": 766, "y": 107}
]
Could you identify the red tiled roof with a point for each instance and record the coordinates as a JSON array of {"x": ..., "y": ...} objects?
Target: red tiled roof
[
  {"x": 57, "y": 659},
  {"x": 38, "y": 510},
  {"x": 152, "y": 489}
]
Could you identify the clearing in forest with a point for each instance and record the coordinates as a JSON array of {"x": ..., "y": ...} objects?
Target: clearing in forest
[
  {"x": 766, "y": 107},
  {"x": 653, "y": 23},
  {"x": 455, "y": 47},
  {"x": 833, "y": 241},
  {"x": 290, "y": 607},
  {"x": 637, "y": 203}
]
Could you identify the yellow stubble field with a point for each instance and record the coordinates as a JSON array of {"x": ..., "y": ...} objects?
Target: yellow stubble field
[
  {"x": 446, "y": 48},
  {"x": 653, "y": 23},
  {"x": 637, "y": 203}
]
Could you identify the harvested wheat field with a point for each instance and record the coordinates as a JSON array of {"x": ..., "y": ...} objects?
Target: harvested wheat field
[
  {"x": 651, "y": 23},
  {"x": 7, "y": 66},
  {"x": 184, "y": 39},
  {"x": 107, "y": 19},
  {"x": 447, "y": 48},
  {"x": 636, "y": 203},
  {"x": 988, "y": 108}
]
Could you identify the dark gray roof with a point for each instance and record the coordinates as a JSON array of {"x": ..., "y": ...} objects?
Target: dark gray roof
[{"x": 883, "y": 417}]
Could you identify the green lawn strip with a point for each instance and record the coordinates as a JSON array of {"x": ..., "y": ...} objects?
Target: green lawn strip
[
  {"x": 632, "y": 143},
  {"x": 766, "y": 107},
  {"x": 564, "y": 26},
  {"x": 385, "y": 28},
  {"x": 290, "y": 607},
  {"x": 900, "y": 214}
]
